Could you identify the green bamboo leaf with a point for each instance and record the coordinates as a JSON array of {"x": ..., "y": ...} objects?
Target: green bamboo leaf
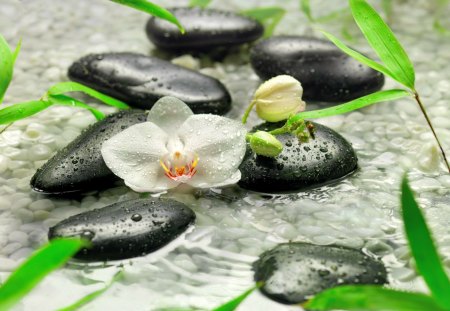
[
  {"x": 48, "y": 258},
  {"x": 152, "y": 9},
  {"x": 234, "y": 303},
  {"x": 305, "y": 7},
  {"x": 370, "y": 298},
  {"x": 333, "y": 15},
  {"x": 90, "y": 297},
  {"x": 22, "y": 110},
  {"x": 7, "y": 59},
  {"x": 199, "y": 3},
  {"x": 384, "y": 42},
  {"x": 350, "y": 106},
  {"x": 66, "y": 87},
  {"x": 423, "y": 249},
  {"x": 358, "y": 56},
  {"x": 70, "y": 101},
  {"x": 268, "y": 16}
]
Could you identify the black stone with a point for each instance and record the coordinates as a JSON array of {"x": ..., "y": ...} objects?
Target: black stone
[
  {"x": 126, "y": 229},
  {"x": 141, "y": 80},
  {"x": 79, "y": 166},
  {"x": 326, "y": 73},
  {"x": 292, "y": 272},
  {"x": 205, "y": 29},
  {"x": 300, "y": 165}
]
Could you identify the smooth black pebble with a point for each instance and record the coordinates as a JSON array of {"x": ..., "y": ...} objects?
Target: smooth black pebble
[
  {"x": 79, "y": 166},
  {"x": 326, "y": 73},
  {"x": 126, "y": 229},
  {"x": 293, "y": 272},
  {"x": 141, "y": 80},
  {"x": 205, "y": 29},
  {"x": 299, "y": 166}
]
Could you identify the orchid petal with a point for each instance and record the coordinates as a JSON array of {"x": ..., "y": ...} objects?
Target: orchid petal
[
  {"x": 220, "y": 145},
  {"x": 169, "y": 113},
  {"x": 134, "y": 155}
]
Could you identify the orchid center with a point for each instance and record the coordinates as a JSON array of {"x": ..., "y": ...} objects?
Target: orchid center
[{"x": 179, "y": 165}]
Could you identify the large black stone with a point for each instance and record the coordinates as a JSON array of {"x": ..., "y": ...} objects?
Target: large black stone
[
  {"x": 80, "y": 166},
  {"x": 141, "y": 80},
  {"x": 300, "y": 165},
  {"x": 205, "y": 29},
  {"x": 126, "y": 229},
  {"x": 292, "y": 272},
  {"x": 326, "y": 73}
]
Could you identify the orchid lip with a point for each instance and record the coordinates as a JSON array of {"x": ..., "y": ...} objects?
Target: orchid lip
[{"x": 179, "y": 166}]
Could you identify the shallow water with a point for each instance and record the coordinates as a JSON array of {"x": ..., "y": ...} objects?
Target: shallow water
[{"x": 212, "y": 262}]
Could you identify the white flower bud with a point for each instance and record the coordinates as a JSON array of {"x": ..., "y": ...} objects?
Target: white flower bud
[
  {"x": 279, "y": 98},
  {"x": 265, "y": 144}
]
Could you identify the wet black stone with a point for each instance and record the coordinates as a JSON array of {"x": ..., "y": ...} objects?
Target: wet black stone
[
  {"x": 323, "y": 159},
  {"x": 141, "y": 80},
  {"x": 326, "y": 73},
  {"x": 80, "y": 166},
  {"x": 293, "y": 271},
  {"x": 115, "y": 232},
  {"x": 205, "y": 29}
]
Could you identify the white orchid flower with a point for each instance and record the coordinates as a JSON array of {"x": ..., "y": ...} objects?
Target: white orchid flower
[{"x": 175, "y": 146}]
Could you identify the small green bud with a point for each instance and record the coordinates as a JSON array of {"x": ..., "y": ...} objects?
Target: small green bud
[
  {"x": 279, "y": 98},
  {"x": 265, "y": 144}
]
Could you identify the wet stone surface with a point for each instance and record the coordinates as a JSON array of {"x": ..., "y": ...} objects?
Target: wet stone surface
[
  {"x": 126, "y": 229},
  {"x": 326, "y": 73},
  {"x": 205, "y": 29},
  {"x": 141, "y": 80},
  {"x": 79, "y": 166},
  {"x": 300, "y": 165},
  {"x": 293, "y": 272}
]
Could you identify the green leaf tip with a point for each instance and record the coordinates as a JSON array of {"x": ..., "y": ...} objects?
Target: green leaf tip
[
  {"x": 268, "y": 16},
  {"x": 67, "y": 87},
  {"x": 199, "y": 3},
  {"x": 423, "y": 249},
  {"x": 90, "y": 297},
  {"x": 7, "y": 60},
  {"x": 48, "y": 258},
  {"x": 234, "y": 303},
  {"x": 383, "y": 41},
  {"x": 152, "y": 9},
  {"x": 370, "y": 298}
]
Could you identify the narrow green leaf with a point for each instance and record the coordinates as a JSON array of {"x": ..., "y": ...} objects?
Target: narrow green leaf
[
  {"x": 305, "y": 6},
  {"x": 48, "y": 258},
  {"x": 90, "y": 297},
  {"x": 66, "y": 87},
  {"x": 440, "y": 28},
  {"x": 152, "y": 9},
  {"x": 7, "y": 59},
  {"x": 350, "y": 106},
  {"x": 234, "y": 303},
  {"x": 70, "y": 101},
  {"x": 17, "y": 50},
  {"x": 268, "y": 16},
  {"x": 199, "y": 3},
  {"x": 22, "y": 110},
  {"x": 384, "y": 42},
  {"x": 333, "y": 15},
  {"x": 358, "y": 56},
  {"x": 370, "y": 298},
  {"x": 423, "y": 249}
]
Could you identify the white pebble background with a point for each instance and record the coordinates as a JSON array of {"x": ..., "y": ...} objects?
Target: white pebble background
[{"x": 212, "y": 262}]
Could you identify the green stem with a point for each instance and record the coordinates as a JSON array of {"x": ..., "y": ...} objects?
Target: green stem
[
  {"x": 248, "y": 137},
  {"x": 5, "y": 128},
  {"x": 282, "y": 130},
  {"x": 422, "y": 108},
  {"x": 247, "y": 112}
]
